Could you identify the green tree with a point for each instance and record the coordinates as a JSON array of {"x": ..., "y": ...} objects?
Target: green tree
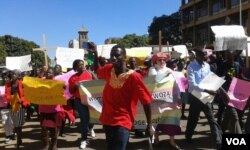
[
  {"x": 170, "y": 27},
  {"x": 3, "y": 54},
  {"x": 14, "y": 46},
  {"x": 37, "y": 59},
  {"x": 132, "y": 40}
]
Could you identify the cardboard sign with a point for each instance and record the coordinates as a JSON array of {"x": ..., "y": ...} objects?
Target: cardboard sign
[
  {"x": 43, "y": 91},
  {"x": 65, "y": 78},
  {"x": 181, "y": 81},
  {"x": 66, "y": 56},
  {"x": 91, "y": 95},
  {"x": 22, "y": 63},
  {"x": 229, "y": 37},
  {"x": 104, "y": 50},
  {"x": 210, "y": 82},
  {"x": 238, "y": 93}
]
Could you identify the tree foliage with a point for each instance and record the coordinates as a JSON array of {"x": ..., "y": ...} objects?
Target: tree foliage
[
  {"x": 3, "y": 54},
  {"x": 13, "y": 46},
  {"x": 170, "y": 28},
  {"x": 132, "y": 40}
]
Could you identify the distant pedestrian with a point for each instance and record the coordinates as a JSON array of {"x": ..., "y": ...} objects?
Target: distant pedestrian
[
  {"x": 5, "y": 110},
  {"x": 132, "y": 64},
  {"x": 51, "y": 120},
  {"x": 232, "y": 117},
  {"x": 18, "y": 103},
  {"x": 184, "y": 95},
  {"x": 147, "y": 64},
  {"x": 81, "y": 75}
]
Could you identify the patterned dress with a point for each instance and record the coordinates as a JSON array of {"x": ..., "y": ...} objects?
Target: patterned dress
[{"x": 170, "y": 119}]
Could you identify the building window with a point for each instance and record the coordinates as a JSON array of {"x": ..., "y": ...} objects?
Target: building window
[
  {"x": 202, "y": 9},
  {"x": 188, "y": 36},
  {"x": 201, "y": 12},
  {"x": 186, "y": 1},
  {"x": 236, "y": 2},
  {"x": 218, "y": 5},
  {"x": 188, "y": 15},
  {"x": 202, "y": 35}
]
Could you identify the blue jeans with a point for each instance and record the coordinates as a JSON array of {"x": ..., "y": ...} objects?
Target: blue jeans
[
  {"x": 116, "y": 137},
  {"x": 83, "y": 112}
]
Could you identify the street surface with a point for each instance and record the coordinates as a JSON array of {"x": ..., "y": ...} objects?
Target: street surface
[{"x": 70, "y": 141}]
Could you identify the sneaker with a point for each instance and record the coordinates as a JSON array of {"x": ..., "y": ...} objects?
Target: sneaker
[
  {"x": 92, "y": 133},
  {"x": 8, "y": 140},
  {"x": 83, "y": 145},
  {"x": 73, "y": 125},
  {"x": 173, "y": 147},
  {"x": 155, "y": 140}
]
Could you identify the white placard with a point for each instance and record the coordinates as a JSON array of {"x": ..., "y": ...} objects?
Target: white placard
[
  {"x": 229, "y": 37},
  {"x": 210, "y": 82},
  {"x": 181, "y": 49},
  {"x": 248, "y": 48},
  {"x": 203, "y": 96},
  {"x": 66, "y": 56},
  {"x": 104, "y": 50},
  {"x": 164, "y": 49},
  {"x": 22, "y": 63},
  {"x": 139, "y": 52},
  {"x": 175, "y": 55}
]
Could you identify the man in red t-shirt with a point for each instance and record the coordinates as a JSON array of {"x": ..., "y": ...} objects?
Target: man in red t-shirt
[
  {"x": 123, "y": 89},
  {"x": 81, "y": 75}
]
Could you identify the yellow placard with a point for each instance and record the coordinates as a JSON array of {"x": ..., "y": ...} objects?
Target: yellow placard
[
  {"x": 43, "y": 91},
  {"x": 140, "y": 53}
]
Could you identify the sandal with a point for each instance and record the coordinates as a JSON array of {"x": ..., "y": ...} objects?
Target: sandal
[
  {"x": 155, "y": 141},
  {"x": 174, "y": 147}
]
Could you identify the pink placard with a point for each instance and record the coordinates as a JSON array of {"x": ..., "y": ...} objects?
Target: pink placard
[
  {"x": 181, "y": 81},
  {"x": 3, "y": 102},
  {"x": 183, "y": 84},
  {"x": 238, "y": 93},
  {"x": 65, "y": 77}
]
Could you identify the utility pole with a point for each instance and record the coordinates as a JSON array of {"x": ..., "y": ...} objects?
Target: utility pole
[
  {"x": 247, "y": 58},
  {"x": 160, "y": 41},
  {"x": 240, "y": 17},
  {"x": 240, "y": 13},
  {"x": 168, "y": 48}
]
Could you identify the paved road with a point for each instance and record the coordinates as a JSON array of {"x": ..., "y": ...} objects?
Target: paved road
[{"x": 31, "y": 138}]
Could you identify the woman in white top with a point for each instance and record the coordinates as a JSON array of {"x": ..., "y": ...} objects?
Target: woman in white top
[{"x": 170, "y": 121}]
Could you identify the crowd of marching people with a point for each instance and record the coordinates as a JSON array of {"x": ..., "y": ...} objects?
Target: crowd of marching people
[{"x": 125, "y": 88}]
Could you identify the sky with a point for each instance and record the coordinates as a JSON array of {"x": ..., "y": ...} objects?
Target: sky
[{"x": 60, "y": 20}]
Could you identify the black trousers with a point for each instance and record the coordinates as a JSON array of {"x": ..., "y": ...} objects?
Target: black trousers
[
  {"x": 231, "y": 120},
  {"x": 247, "y": 127},
  {"x": 196, "y": 106}
]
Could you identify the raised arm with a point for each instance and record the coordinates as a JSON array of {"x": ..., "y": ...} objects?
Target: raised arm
[{"x": 93, "y": 50}]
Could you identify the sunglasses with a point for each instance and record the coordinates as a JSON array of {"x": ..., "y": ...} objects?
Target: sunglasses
[{"x": 161, "y": 59}]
